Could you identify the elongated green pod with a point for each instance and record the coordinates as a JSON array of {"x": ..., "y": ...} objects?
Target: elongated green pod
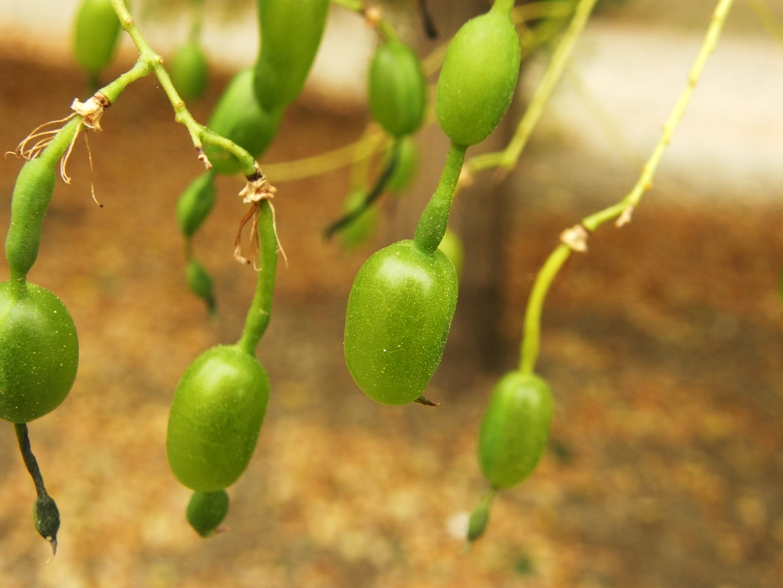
[
  {"x": 478, "y": 77},
  {"x": 189, "y": 70},
  {"x": 398, "y": 318},
  {"x": 238, "y": 117},
  {"x": 291, "y": 32},
  {"x": 215, "y": 418},
  {"x": 32, "y": 194},
  {"x": 397, "y": 91},
  {"x": 206, "y": 510},
  {"x": 95, "y": 35},
  {"x": 515, "y": 428},
  {"x": 196, "y": 203}
]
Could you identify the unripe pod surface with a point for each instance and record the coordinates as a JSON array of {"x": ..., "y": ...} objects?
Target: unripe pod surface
[
  {"x": 215, "y": 418},
  {"x": 189, "y": 71},
  {"x": 398, "y": 318},
  {"x": 39, "y": 352},
  {"x": 397, "y": 89},
  {"x": 238, "y": 117},
  {"x": 291, "y": 32},
  {"x": 478, "y": 78},
  {"x": 515, "y": 428},
  {"x": 96, "y": 31}
]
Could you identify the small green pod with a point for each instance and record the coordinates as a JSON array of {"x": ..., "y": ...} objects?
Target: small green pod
[
  {"x": 451, "y": 245},
  {"x": 515, "y": 428},
  {"x": 96, "y": 31},
  {"x": 200, "y": 283},
  {"x": 39, "y": 351},
  {"x": 196, "y": 203},
  {"x": 398, "y": 318},
  {"x": 32, "y": 193},
  {"x": 238, "y": 117},
  {"x": 206, "y": 510},
  {"x": 478, "y": 78},
  {"x": 363, "y": 227},
  {"x": 407, "y": 168},
  {"x": 397, "y": 92},
  {"x": 189, "y": 71},
  {"x": 291, "y": 32},
  {"x": 215, "y": 418}
]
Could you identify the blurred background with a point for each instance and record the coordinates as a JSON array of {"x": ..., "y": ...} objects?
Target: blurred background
[{"x": 663, "y": 344}]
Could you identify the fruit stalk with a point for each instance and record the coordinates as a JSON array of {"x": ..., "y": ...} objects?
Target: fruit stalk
[
  {"x": 259, "y": 313},
  {"x": 432, "y": 224}
]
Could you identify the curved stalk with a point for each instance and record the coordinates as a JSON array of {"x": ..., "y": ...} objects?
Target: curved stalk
[
  {"x": 433, "y": 221},
  {"x": 259, "y": 313}
]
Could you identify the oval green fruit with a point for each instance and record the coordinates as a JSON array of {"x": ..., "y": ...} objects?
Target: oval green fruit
[
  {"x": 291, "y": 32},
  {"x": 39, "y": 352},
  {"x": 397, "y": 91},
  {"x": 478, "y": 78},
  {"x": 206, "y": 510},
  {"x": 398, "y": 318},
  {"x": 196, "y": 203},
  {"x": 96, "y": 31},
  {"x": 215, "y": 418},
  {"x": 238, "y": 117},
  {"x": 515, "y": 428},
  {"x": 189, "y": 71}
]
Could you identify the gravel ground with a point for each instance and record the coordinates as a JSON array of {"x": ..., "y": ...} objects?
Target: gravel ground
[{"x": 663, "y": 346}]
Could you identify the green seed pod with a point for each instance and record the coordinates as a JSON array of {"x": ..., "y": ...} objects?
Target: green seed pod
[
  {"x": 451, "y": 245},
  {"x": 189, "y": 71},
  {"x": 39, "y": 351},
  {"x": 408, "y": 164},
  {"x": 397, "y": 91},
  {"x": 398, "y": 318},
  {"x": 363, "y": 227},
  {"x": 515, "y": 429},
  {"x": 215, "y": 418},
  {"x": 196, "y": 203},
  {"x": 206, "y": 510},
  {"x": 32, "y": 194},
  {"x": 96, "y": 31},
  {"x": 478, "y": 78},
  {"x": 291, "y": 32},
  {"x": 238, "y": 117},
  {"x": 200, "y": 283}
]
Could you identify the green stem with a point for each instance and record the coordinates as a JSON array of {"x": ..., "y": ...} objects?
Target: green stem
[
  {"x": 46, "y": 516},
  {"x": 433, "y": 221},
  {"x": 535, "y": 304},
  {"x": 544, "y": 90},
  {"x": 199, "y": 134},
  {"x": 624, "y": 208},
  {"x": 140, "y": 69},
  {"x": 258, "y": 316},
  {"x": 504, "y": 6}
]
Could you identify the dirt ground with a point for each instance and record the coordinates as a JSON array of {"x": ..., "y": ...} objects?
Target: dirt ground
[{"x": 663, "y": 346}]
